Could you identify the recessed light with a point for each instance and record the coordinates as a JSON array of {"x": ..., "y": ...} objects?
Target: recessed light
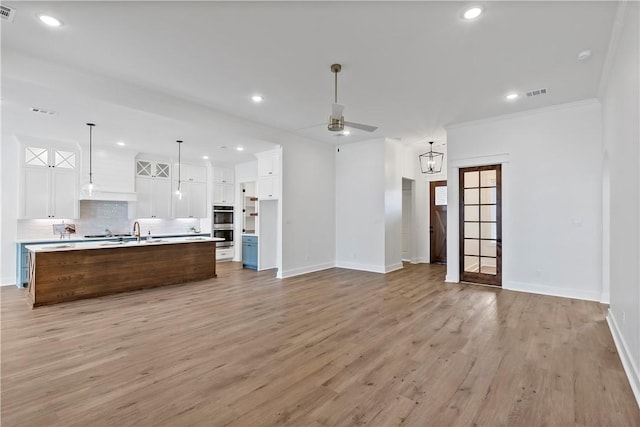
[
  {"x": 472, "y": 13},
  {"x": 584, "y": 55},
  {"x": 120, "y": 143},
  {"x": 346, "y": 132},
  {"x": 50, "y": 20},
  {"x": 239, "y": 148},
  {"x": 257, "y": 98},
  {"x": 205, "y": 157},
  {"x": 511, "y": 96}
]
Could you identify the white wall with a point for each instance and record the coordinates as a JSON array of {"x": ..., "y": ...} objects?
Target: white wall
[
  {"x": 393, "y": 171},
  {"x": 360, "y": 205},
  {"x": 621, "y": 134},
  {"x": 551, "y": 211},
  {"x": 9, "y": 167},
  {"x": 308, "y": 207}
]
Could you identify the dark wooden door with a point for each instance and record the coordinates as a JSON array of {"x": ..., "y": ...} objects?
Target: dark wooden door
[
  {"x": 481, "y": 225},
  {"x": 438, "y": 227}
]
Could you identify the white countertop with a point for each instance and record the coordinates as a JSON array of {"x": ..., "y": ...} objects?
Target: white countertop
[
  {"x": 93, "y": 239},
  {"x": 78, "y": 246}
]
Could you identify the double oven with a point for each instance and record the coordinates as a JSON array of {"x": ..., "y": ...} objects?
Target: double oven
[{"x": 223, "y": 224}]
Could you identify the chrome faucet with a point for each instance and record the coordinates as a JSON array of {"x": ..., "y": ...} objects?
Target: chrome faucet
[{"x": 136, "y": 225}]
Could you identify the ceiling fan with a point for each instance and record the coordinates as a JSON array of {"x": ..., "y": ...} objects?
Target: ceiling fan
[{"x": 336, "y": 120}]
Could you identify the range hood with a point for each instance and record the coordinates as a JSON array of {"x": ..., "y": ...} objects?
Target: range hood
[{"x": 112, "y": 196}]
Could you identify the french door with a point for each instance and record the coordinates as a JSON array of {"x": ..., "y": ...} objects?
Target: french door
[
  {"x": 481, "y": 225},
  {"x": 438, "y": 227}
]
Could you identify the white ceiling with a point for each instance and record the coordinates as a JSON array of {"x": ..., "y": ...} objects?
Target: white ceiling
[{"x": 152, "y": 72}]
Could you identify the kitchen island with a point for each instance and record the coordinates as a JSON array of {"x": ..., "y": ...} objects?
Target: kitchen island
[{"x": 70, "y": 271}]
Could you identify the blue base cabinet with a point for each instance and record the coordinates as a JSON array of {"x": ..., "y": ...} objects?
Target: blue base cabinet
[{"x": 250, "y": 252}]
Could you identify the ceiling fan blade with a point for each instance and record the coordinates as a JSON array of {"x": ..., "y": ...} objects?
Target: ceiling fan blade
[
  {"x": 367, "y": 128},
  {"x": 336, "y": 111}
]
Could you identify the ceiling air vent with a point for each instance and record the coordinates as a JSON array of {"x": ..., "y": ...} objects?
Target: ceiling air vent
[
  {"x": 43, "y": 111},
  {"x": 537, "y": 92},
  {"x": 7, "y": 13}
]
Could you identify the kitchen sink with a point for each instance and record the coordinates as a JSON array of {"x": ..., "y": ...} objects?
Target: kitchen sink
[
  {"x": 155, "y": 241},
  {"x": 194, "y": 238}
]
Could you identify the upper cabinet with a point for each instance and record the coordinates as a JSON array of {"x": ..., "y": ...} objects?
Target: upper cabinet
[
  {"x": 269, "y": 174},
  {"x": 153, "y": 187},
  {"x": 50, "y": 183},
  {"x": 224, "y": 175},
  {"x": 223, "y": 185},
  {"x": 192, "y": 200}
]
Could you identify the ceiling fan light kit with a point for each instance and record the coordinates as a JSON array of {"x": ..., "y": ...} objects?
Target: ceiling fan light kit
[{"x": 431, "y": 161}]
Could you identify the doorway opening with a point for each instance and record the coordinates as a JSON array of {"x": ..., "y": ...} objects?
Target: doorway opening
[
  {"x": 481, "y": 225},
  {"x": 438, "y": 222}
]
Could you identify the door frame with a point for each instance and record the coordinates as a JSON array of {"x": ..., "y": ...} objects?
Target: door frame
[
  {"x": 481, "y": 278},
  {"x": 432, "y": 196}
]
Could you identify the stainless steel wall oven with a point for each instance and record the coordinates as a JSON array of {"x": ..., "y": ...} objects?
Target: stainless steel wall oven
[{"x": 223, "y": 224}]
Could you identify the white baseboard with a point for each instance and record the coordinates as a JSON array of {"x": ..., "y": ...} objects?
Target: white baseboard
[
  {"x": 393, "y": 267},
  {"x": 604, "y": 298},
  {"x": 8, "y": 280},
  {"x": 552, "y": 291},
  {"x": 630, "y": 368},
  {"x": 419, "y": 260},
  {"x": 304, "y": 270},
  {"x": 362, "y": 267},
  {"x": 449, "y": 279}
]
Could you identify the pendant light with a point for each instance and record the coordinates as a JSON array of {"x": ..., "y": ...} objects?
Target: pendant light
[
  {"x": 179, "y": 191},
  {"x": 90, "y": 187},
  {"x": 431, "y": 161}
]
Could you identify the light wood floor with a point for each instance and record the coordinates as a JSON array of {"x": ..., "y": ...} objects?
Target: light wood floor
[{"x": 336, "y": 347}]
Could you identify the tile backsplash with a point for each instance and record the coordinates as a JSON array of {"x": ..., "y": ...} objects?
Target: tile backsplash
[{"x": 96, "y": 216}]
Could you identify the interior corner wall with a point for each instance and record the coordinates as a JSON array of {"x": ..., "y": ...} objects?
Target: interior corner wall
[
  {"x": 9, "y": 164},
  {"x": 360, "y": 206},
  {"x": 621, "y": 135},
  {"x": 393, "y": 170},
  {"x": 551, "y": 196},
  {"x": 308, "y": 207}
]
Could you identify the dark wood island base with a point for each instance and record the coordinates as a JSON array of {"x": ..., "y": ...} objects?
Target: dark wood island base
[{"x": 68, "y": 275}]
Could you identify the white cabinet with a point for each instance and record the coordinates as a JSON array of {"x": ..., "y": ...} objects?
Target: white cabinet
[
  {"x": 269, "y": 175},
  {"x": 223, "y": 193},
  {"x": 223, "y": 175},
  {"x": 193, "y": 186},
  {"x": 223, "y": 185},
  {"x": 269, "y": 165},
  {"x": 153, "y": 186},
  {"x": 154, "y": 198},
  {"x": 269, "y": 187},
  {"x": 193, "y": 202},
  {"x": 49, "y": 187}
]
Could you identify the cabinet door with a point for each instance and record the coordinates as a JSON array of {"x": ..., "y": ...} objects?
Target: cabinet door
[
  {"x": 265, "y": 166},
  {"x": 268, "y": 187},
  {"x": 197, "y": 199},
  {"x": 228, "y": 176},
  {"x": 197, "y": 173},
  {"x": 228, "y": 193},
  {"x": 180, "y": 204},
  {"x": 144, "y": 190},
  {"x": 36, "y": 192},
  {"x": 63, "y": 198},
  {"x": 161, "y": 201},
  {"x": 223, "y": 175},
  {"x": 218, "y": 192}
]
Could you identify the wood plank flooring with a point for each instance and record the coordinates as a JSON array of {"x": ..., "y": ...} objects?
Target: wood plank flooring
[{"x": 336, "y": 348}]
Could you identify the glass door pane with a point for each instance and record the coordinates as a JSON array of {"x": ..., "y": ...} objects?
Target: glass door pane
[{"x": 480, "y": 234}]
